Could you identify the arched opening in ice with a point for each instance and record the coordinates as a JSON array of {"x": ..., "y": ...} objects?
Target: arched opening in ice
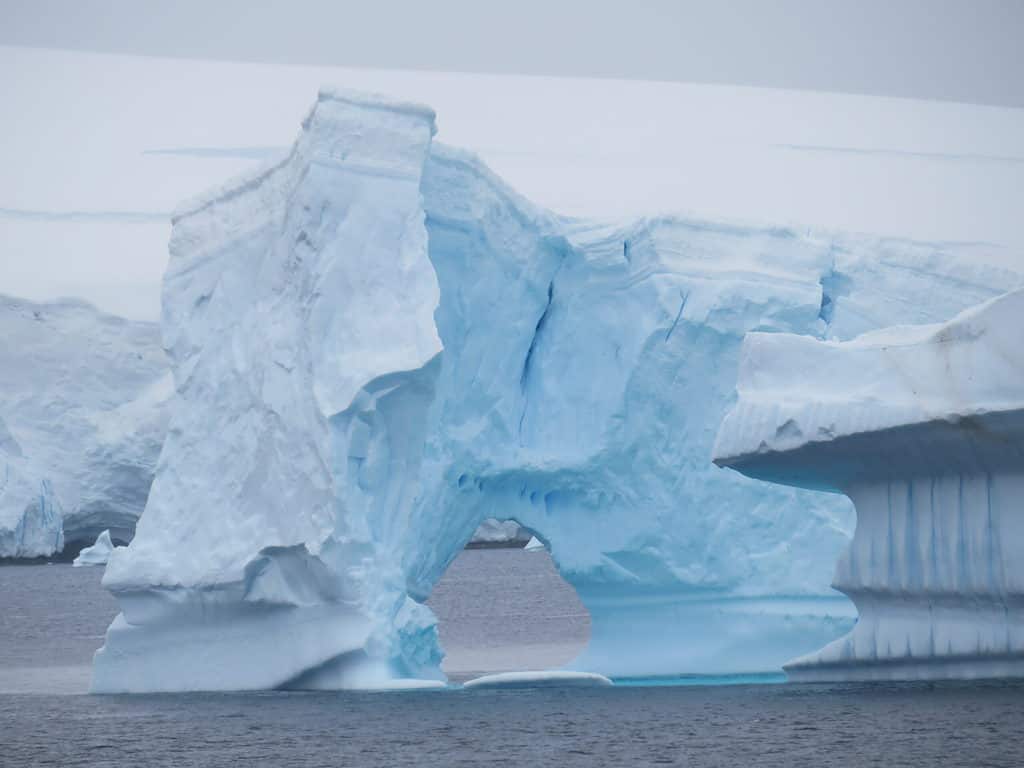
[{"x": 507, "y": 609}]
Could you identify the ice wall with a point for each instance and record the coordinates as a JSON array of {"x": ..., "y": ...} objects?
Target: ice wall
[
  {"x": 84, "y": 396},
  {"x": 378, "y": 345},
  {"x": 30, "y": 513},
  {"x": 923, "y": 428}
]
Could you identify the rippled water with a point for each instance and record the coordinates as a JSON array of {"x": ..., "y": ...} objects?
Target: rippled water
[{"x": 497, "y": 608}]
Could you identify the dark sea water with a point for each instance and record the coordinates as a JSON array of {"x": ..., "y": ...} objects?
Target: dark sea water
[{"x": 499, "y": 609}]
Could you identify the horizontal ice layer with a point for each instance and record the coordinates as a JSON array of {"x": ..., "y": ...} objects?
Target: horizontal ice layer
[
  {"x": 84, "y": 395},
  {"x": 923, "y": 428},
  {"x": 377, "y": 345},
  {"x": 539, "y": 679}
]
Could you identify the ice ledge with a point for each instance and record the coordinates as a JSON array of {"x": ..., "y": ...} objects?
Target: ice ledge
[
  {"x": 923, "y": 428},
  {"x": 903, "y": 401}
]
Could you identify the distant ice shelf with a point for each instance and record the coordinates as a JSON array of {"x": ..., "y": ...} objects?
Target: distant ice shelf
[
  {"x": 83, "y": 413},
  {"x": 377, "y": 345},
  {"x": 923, "y": 428}
]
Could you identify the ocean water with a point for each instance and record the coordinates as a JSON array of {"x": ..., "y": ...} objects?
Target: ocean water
[{"x": 498, "y": 609}]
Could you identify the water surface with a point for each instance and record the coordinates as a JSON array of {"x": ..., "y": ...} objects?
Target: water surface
[{"x": 498, "y": 609}]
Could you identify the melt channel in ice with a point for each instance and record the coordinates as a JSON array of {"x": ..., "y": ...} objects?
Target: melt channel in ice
[
  {"x": 377, "y": 345},
  {"x": 923, "y": 429}
]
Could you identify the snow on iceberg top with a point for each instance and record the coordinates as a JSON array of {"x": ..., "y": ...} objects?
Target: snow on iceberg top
[
  {"x": 903, "y": 399},
  {"x": 362, "y": 146}
]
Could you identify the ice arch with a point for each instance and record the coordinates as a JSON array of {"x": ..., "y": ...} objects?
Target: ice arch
[
  {"x": 503, "y": 608},
  {"x": 377, "y": 344}
]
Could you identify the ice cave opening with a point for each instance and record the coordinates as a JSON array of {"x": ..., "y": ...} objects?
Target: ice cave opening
[{"x": 502, "y": 606}]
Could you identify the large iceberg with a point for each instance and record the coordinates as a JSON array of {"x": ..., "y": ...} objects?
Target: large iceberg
[
  {"x": 377, "y": 345},
  {"x": 923, "y": 428},
  {"x": 84, "y": 397}
]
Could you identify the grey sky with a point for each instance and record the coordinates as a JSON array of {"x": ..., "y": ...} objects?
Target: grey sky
[{"x": 959, "y": 50}]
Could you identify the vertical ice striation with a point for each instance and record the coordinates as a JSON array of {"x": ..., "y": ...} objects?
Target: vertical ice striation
[
  {"x": 377, "y": 345},
  {"x": 31, "y": 516},
  {"x": 923, "y": 428}
]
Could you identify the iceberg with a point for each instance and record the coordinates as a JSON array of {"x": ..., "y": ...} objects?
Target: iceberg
[
  {"x": 499, "y": 533},
  {"x": 922, "y": 427},
  {"x": 97, "y": 554},
  {"x": 377, "y": 345},
  {"x": 84, "y": 397}
]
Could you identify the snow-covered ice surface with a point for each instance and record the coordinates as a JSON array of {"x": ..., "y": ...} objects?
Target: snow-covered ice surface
[
  {"x": 556, "y": 678},
  {"x": 377, "y": 345},
  {"x": 923, "y": 428},
  {"x": 98, "y": 553},
  {"x": 84, "y": 397}
]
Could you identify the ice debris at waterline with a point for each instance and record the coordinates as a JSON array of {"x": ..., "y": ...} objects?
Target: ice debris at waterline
[
  {"x": 98, "y": 553},
  {"x": 377, "y": 345},
  {"x": 923, "y": 428},
  {"x": 539, "y": 679},
  {"x": 83, "y": 400}
]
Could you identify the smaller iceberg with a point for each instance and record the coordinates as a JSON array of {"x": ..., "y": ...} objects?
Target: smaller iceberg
[
  {"x": 98, "y": 553},
  {"x": 498, "y": 533},
  {"x": 534, "y": 544},
  {"x": 540, "y": 679}
]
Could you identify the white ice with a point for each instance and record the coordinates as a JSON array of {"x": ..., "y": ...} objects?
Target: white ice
[
  {"x": 98, "y": 553},
  {"x": 554, "y": 678}
]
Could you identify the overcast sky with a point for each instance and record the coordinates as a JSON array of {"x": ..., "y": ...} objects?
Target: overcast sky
[{"x": 959, "y": 50}]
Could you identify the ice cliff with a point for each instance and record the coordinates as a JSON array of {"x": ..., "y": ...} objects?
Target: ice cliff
[
  {"x": 923, "y": 428},
  {"x": 84, "y": 399},
  {"x": 377, "y": 345}
]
